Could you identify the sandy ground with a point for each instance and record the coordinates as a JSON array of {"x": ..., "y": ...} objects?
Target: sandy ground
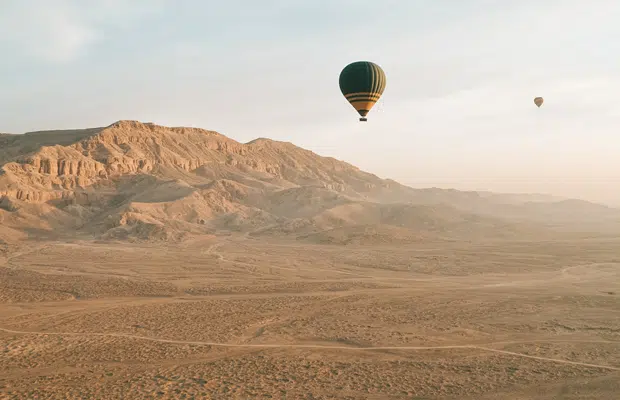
[{"x": 241, "y": 318}]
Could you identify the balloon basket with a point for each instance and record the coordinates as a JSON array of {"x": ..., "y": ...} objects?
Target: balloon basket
[{"x": 363, "y": 119}]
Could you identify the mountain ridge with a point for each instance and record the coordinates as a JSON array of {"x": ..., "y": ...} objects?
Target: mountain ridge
[{"x": 141, "y": 181}]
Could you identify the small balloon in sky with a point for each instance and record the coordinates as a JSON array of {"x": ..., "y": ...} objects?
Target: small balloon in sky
[{"x": 538, "y": 101}]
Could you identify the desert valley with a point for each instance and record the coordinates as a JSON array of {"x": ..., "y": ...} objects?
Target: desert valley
[{"x": 146, "y": 262}]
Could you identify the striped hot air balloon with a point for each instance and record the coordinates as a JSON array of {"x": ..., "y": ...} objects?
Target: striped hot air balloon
[{"x": 362, "y": 83}]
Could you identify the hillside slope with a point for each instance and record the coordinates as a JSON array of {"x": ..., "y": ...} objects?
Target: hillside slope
[{"x": 132, "y": 180}]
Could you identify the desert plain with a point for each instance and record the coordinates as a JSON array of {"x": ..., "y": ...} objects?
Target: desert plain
[
  {"x": 168, "y": 288},
  {"x": 237, "y": 318}
]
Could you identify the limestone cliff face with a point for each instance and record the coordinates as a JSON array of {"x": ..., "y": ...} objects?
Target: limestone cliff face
[
  {"x": 51, "y": 173},
  {"x": 134, "y": 177},
  {"x": 137, "y": 180},
  {"x": 131, "y": 148}
]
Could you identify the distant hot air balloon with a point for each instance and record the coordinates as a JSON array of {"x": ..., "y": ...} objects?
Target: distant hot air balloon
[
  {"x": 538, "y": 101},
  {"x": 362, "y": 83}
]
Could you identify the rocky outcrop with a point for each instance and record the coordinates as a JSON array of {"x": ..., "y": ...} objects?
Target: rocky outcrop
[
  {"x": 130, "y": 148},
  {"x": 132, "y": 179}
]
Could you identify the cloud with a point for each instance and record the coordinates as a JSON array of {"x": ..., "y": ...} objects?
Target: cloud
[
  {"x": 47, "y": 30},
  {"x": 60, "y": 31}
]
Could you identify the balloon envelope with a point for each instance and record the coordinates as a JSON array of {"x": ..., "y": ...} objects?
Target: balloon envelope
[
  {"x": 538, "y": 101},
  {"x": 362, "y": 83}
]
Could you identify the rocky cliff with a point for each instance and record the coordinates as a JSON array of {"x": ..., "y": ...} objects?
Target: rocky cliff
[{"x": 140, "y": 180}]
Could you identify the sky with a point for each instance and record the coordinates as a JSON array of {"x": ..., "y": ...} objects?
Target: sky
[{"x": 457, "y": 111}]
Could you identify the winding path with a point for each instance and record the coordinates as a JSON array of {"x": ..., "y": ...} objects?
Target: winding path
[
  {"x": 212, "y": 250},
  {"x": 315, "y": 346}
]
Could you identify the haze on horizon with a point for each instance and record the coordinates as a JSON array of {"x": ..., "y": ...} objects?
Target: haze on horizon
[{"x": 457, "y": 112}]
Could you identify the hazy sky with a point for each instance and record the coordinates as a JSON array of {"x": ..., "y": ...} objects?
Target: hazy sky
[{"x": 457, "y": 111}]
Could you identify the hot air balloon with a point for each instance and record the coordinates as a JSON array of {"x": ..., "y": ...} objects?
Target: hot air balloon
[
  {"x": 538, "y": 101},
  {"x": 362, "y": 83}
]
